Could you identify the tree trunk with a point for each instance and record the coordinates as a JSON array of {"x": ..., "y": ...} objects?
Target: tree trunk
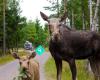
[
  {"x": 58, "y": 8},
  {"x": 83, "y": 16},
  {"x": 91, "y": 16},
  {"x": 65, "y": 7},
  {"x": 72, "y": 21},
  {"x": 99, "y": 17},
  {"x": 17, "y": 43},
  {"x": 95, "y": 19},
  {"x": 4, "y": 25}
]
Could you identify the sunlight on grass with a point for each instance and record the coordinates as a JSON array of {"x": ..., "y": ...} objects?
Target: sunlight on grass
[{"x": 82, "y": 74}]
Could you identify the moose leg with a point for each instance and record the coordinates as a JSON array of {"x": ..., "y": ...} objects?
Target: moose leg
[
  {"x": 95, "y": 66},
  {"x": 59, "y": 68},
  {"x": 73, "y": 68}
]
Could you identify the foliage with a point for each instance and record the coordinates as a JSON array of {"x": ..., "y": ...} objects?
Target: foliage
[
  {"x": 75, "y": 7},
  {"x": 14, "y": 22},
  {"x": 41, "y": 34},
  {"x": 27, "y": 32},
  {"x": 53, "y": 7},
  {"x": 35, "y": 33},
  {"x": 22, "y": 74}
]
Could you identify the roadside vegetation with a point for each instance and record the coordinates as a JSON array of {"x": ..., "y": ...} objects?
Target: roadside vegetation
[
  {"x": 50, "y": 71},
  {"x": 8, "y": 58}
]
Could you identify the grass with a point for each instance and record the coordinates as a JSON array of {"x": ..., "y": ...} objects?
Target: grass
[
  {"x": 82, "y": 74},
  {"x": 47, "y": 49},
  {"x": 7, "y": 58}
]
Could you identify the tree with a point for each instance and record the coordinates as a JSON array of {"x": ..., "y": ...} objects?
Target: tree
[
  {"x": 40, "y": 35},
  {"x": 13, "y": 19},
  {"x": 95, "y": 18},
  {"x": 28, "y": 32},
  {"x": 54, "y": 7},
  {"x": 1, "y": 25},
  {"x": 14, "y": 23},
  {"x": 35, "y": 33},
  {"x": 75, "y": 10},
  {"x": 99, "y": 17}
]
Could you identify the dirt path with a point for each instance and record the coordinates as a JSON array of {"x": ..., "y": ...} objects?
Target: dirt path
[
  {"x": 42, "y": 59},
  {"x": 10, "y": 70}
]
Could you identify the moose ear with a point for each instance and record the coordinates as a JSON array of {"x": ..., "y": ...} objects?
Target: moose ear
[
  {"x": 45, "y": 17},
  {"x": 63, "y": 18},
  {"x": 32, "y": 55},
  {"x": 14, "y": 54}
]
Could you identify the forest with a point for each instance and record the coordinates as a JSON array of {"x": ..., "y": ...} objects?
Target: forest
[{"x": 83, "y": 15}]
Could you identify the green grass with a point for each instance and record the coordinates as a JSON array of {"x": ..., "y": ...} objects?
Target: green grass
[
  {"x": 82, "y": 74},
  {"x": 46, "y": 49},
  {"x": 7, "y": 58}
]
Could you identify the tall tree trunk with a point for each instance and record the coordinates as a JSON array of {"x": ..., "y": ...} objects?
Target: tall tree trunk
[
  {"x": 65, "y": 7},
  {"x": 4, "y": 25},
  {"x": 83, "y": 16},
  {"x": 99, "y": 17},
  {"x": 83, "y": 19},
  {"x": 91, "y": 15},
  {"x": 17, "y": 42},
  {"x": 58, "y": 8},
  {"x": 72, "y": 21},
  {"x": 95, "y": 19}
]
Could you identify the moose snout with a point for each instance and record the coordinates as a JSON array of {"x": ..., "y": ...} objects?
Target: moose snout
[
  {"x": 24, "y": 67},
  {"x": 55, "y": 36}
]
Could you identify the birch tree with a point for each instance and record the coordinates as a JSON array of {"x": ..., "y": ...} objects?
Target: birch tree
[
  {"x": 90, "y": 10},
  {"x": 95, "y": 18},
  {"x": 83, "y": 15}
]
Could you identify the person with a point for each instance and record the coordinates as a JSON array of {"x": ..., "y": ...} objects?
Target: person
[{"x": 28, "y": 47}]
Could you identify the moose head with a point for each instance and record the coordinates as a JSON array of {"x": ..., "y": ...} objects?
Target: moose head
[
  {"x": 24, "y": 61},
  {"x": 54, "y": 25}
]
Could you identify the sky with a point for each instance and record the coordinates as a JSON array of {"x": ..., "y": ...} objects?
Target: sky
[{"x": 31, "y": 9}]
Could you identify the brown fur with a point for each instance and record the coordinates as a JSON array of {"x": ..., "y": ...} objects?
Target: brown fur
[
  {"x": 30, "y": 65},
  {"x": 34, "y": 69}
]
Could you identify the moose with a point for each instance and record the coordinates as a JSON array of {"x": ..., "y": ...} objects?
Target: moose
[
  {"x": 29, "y": 66},
  {"x": 70, "y": 45}
]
